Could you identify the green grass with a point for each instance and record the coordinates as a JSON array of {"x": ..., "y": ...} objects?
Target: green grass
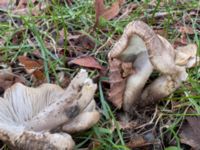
[{"x": 80, "y": 17}]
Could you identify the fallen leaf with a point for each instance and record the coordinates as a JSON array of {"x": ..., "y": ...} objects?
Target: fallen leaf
[
  {"x": 63, "y": 79},
  {"x": 106, "y": 13},
  {"x": 127, "y": 68},
  {"x": 179, "y": 42},
  {"x": 8, "y": 78},
  {"x": 84, "y": 42},
  {"x": 78, "y": 41},
  {"x": 119, "y": 71},
  {"x": 32, "y": 67},
  {"x": 186, "y": 30},
  {"x": 138, "y": 141},
  {"x": 190, "y": 132},
  {"x": 111, "y": 12},
  {"x": 17, "y": 37},
  {"x": 127, "y": 10},
  {"x": 142, "y": 140},
  {"x": 99, "y": 9},
  {"x": 24, "y": 3},
  {"x": 117, "y": 83},
  {"x": 87, "y": 61}
]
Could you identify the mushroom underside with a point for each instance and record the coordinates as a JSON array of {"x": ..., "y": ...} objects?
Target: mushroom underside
[{"x": 29, "y": 114}]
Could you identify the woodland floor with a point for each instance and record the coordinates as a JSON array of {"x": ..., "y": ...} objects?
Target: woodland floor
[{"x": 47, "y": 36}]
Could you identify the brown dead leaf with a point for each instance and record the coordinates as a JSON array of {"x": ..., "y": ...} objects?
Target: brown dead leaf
[
  {"x": 17, "y": 37},
  {"x": 179, "y": 42},
  {"x": 87, "y": 61},
  {"x": 138, "y": 141},
  {"x": 84, "y": 42},
  {"x": 117, "y": 83},
  {"x": 77, "y": 41},
  {"x": 142, "y": 140},
  {"x": 127, "y": 68},
  {"x": 32, "y": 67},
  {"x": 107, "y": 13},
  {"x": 111, "y": 12},
  {"x": 63, "y": 79},
  {"x": 99, "y": 8},
  {"x": 190, "y": 132},
  {"x": 23, "y": 3},
  {"x": 8, "y": 78},
  {"x": 186, "y": 30},
  {"x": 127, "y": 10},
  {"x": 119, "y": 71}
]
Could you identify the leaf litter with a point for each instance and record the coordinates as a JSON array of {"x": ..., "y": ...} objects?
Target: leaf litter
[{"x": 77, "y": 49}]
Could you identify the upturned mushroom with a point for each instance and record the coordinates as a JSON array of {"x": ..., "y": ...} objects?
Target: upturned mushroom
[
  {"x": 147, "y": 52},
  {"x": 43, "y": 117}
]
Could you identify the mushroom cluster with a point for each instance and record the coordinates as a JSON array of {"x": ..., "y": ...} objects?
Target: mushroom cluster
[
  {"x": 148, "y": 52},
  {"x": 44, "y": 117}
]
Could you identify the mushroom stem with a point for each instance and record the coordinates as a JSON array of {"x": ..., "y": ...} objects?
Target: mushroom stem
[
  {"x": 160, "y": 88},
  {"x": 137, "y": 81}
]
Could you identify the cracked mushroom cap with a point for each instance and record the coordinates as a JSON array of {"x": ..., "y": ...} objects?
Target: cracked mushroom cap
[
  {"x": 148, "y": 51},
  {"x": 28, "y": 114}
]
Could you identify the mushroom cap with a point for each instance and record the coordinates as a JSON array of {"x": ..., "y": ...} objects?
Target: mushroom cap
[
  {"x": 139, "y": 37},
  {"x": 28, "y": 114},
  {"x": 147, "y": 51}
]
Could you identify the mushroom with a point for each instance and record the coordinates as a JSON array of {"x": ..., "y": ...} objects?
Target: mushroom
[
  {"x": 43, "y": 117},
  {"x": 147, "y": 52}
]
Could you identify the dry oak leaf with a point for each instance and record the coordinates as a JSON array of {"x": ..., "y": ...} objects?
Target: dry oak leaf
[
  {"x": 107, "y": 13},
  {"x": 117, "y": 78},
  {"x": 32, "y": 67},
  {"x": 7, "y": 79},
  {"x": 88, "y": 62},
  {"x": 190, "y": 132}
]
